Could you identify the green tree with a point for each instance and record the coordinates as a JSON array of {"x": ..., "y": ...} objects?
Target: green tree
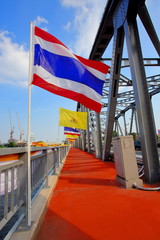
[
  {"x": 12, "y": 144},
  {"x": 134, "y": 135},
  {"x": 114, "y": 134}
]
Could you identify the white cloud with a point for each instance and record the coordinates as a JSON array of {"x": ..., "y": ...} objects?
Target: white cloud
[
  {"x": 76, "y": 4},
  {"x": 39, "y": 21},
  {"x": 88, "y": 14},
  {"x": 13, "y": 61},
  {"x": 67, "y": 26}
]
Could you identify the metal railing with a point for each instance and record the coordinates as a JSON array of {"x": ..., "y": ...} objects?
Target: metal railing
[{"x": 13, "y": 182}]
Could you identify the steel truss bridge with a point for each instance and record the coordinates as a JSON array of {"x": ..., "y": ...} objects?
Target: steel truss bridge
[{"x": 123, "y": 94}]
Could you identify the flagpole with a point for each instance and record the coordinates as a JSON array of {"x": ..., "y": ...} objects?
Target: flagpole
[
  {"x": 59, "y": 142},
  {"x": 29, "y": 128}
]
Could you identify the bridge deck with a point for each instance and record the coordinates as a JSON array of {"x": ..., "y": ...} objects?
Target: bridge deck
[{"x": 88, "y": 203}]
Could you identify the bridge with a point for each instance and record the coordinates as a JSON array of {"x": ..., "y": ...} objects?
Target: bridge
[{"x": 93, "y": 152}]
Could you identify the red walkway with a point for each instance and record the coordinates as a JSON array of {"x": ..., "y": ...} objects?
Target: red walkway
[{"x": 88, "y": 204}]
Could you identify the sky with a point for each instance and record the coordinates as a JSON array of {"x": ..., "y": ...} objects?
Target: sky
[{"x": 73, "y": 22}]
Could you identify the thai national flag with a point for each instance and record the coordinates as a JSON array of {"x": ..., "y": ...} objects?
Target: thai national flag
[
  {"x": 59, "y": 71},
  {"x": 158, "y": 131},
  {"x": 71, "y": 131}
]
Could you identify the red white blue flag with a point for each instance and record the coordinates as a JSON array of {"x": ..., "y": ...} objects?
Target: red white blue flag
[
  {"x": 158, "y": 131},
  {"x": 59, "y": 71},
  {"x": 71, "y": 131}
]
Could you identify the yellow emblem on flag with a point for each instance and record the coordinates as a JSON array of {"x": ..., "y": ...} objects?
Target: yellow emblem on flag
[{"x": 74, "y": 119}]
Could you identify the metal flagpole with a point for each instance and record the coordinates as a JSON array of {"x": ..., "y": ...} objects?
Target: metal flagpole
[
  {"x": 59, "y": 158},
  {"x": 29, "y": 128}
]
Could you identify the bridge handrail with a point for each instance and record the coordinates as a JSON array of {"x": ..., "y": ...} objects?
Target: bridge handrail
[{"x": 13, "y": 180}]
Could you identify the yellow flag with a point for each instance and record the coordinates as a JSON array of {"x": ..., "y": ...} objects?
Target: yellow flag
[
  {"x": 71, "y": 140},
  {"x": 71, "y": 136},
  {"x": 73, "y": 119}
]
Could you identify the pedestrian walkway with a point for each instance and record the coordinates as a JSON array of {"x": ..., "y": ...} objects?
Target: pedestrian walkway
[{"x": 88, "y": 204}]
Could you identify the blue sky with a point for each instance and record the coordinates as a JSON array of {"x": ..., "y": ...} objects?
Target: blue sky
[{"x": 75, "y": 23}]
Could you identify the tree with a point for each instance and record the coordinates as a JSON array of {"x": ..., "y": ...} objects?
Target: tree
[
  {"x": 12, "y": 144},
  {"x": 114, "y": 134},
  {"x": 134, "y": 136}
]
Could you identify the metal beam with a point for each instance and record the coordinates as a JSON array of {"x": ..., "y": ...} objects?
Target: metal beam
[
  {"x": 131, "y": 125},
  {"x": 88, "y": 133},
  {"x": 143, "y": 104},
  {"x": 131, "y": 105},
  {"x": 92, "y": 127},
  {"x": 98, "y": 136},
  {"x": 105, "y": 31},
  {"x": 125, "y": 61},
  {"x": 147, "y": 22},
  {"x": 119, "y": 127},
  {"x": 114, "y": 9},
  {"x": 113, "y": 90},
  {"x": 125, "y": 125},
  {"x": 136, "y": 124}
]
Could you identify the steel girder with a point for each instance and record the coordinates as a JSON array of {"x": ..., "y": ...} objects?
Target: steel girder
[{"x": 120, "y": 18}]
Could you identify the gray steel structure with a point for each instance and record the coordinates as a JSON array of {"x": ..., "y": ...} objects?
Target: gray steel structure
[{"x": 119, "y": 21}]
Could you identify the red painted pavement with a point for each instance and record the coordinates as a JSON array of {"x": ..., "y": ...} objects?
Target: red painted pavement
[{"x": 88, "y": 204}]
